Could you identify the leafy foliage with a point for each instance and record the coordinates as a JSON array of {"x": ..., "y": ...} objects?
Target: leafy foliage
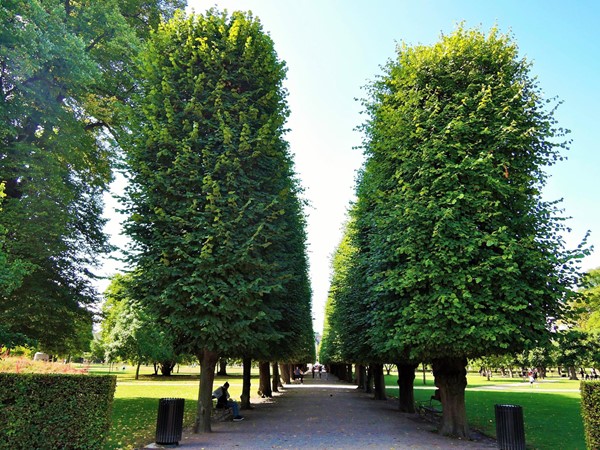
[
  {"x": 575, "y": 348},
  {"x": 212, "y": 200},
  {"x": 456, "y": 254},
  {"x": 347, "y": 307},
  {"x": 587, "y": 305},
  {"x": 27, "y": 365},
  {"x": 590, "y": 410},
  {"x": 65, "y": 76},
  {"x": 130, "y": 332},
  {"x": 66, "y": 410},
  {"x": 469, "y": 258}
]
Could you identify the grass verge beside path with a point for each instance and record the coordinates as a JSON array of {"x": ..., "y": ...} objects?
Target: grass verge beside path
[
  {"x": 135, "y": 406},
  {"x": 551, "y": 407}
]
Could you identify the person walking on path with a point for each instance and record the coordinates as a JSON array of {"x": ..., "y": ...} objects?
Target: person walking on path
[{"x": 298, "y": 375}]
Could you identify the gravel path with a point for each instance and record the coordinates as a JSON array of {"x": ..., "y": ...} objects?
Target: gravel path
[{"x": 326, "y": 414}]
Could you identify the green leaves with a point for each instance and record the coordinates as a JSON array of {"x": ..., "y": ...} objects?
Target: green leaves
[
  {"x": 455, "y": 252},
  {"x": 214, "y": 204},
  {"x": 66, "y": 77}
]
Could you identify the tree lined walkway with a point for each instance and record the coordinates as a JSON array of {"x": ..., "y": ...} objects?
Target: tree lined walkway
[{"x": 326, "y": 414}]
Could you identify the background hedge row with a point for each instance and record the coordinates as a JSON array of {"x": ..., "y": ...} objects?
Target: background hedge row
[
  {"x": 590, "y": 410},
  {"x": 55, "y": 411}
]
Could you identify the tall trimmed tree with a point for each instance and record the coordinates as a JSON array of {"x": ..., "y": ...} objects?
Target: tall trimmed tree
[
  {"x": 210, "y": 188},
  {"x": 471, "y": 259}
]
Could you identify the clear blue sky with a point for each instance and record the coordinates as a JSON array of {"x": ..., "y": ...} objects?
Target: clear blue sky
[{"x": 333, "y": 48}]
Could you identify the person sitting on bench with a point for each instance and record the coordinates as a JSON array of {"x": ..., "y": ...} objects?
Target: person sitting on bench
[{"x": 224, "y": 401}]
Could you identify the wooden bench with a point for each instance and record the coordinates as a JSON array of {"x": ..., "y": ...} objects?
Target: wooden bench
[
  {"x": 220, "y": 414},
  {"x": 429, "y": 409}
]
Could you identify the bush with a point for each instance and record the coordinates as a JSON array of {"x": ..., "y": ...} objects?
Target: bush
[
  {"x": 51, "y": 411},
  {"x": 25, "y": 365},
  {"x": 590, "y": 410}
]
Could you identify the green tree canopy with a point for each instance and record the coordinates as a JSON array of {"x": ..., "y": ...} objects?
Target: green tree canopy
[
  {"x": 212, "y": 200},
  {"x": 467, "y": 259},
  {"x": 130, "y": 332},
  {"x": 347, "y": 317},
  {"x": 587, "y": 305},
  {"x": 65, "y": 76}
]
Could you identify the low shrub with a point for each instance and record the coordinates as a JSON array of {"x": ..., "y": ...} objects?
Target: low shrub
[
  {"x": 590, "y": 410},
  {"x": 25, "y": 365},
  {"x": 51, "y": 411}
]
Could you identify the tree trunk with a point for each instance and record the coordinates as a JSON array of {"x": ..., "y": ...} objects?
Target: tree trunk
[
  {"x": 246, "y": 383},
  {"x": 166, "y": 367},
  {"x": 379, "y": 381},
  {"x": 451, "y": 378},
  {"x": 342, "y": 371},
  {"x": 572, "y": 373},
  {"x": 264, "y": 379},
  {"x": 275, "y": 383},
  {"x": 222, "y": 367},
  {"x": 137, "y": 370},
  {"x": 406, "y": 381},
  {"x": 388, "y": 368},
  {"x": 360, "y": 381},
  {"x": 208, "y": 362},
  {"x": 284, "y": 370},
  {"x": 364, "y": 378}
]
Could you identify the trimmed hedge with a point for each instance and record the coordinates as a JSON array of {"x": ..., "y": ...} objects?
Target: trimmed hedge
[
  {"x": 590, "y": 410},
  {"x": 55, "y": 411}
]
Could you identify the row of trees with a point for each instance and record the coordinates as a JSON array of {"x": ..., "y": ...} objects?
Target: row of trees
[
  {"x": 193, "y": 111},
  {"x": 214, "y": 207},
  {"x": 569, "y": 351},
  {"x": 450, "y": 253}
]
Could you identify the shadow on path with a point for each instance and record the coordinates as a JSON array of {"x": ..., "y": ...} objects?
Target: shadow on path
[{"x": 325, "y": 414}]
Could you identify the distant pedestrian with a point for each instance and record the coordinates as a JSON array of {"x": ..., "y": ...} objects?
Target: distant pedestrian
[
  {"x": 320, "y": 370},
  {"x": 313, "y": 371},
  {"x": 298, "y": 375}
]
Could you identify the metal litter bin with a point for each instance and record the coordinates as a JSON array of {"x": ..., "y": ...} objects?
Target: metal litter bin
[
  {"x": 510, "y": 430},
  {"x": 169, "y": 422}
]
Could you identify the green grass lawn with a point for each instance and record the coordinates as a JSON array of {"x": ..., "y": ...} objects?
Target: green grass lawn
[
  {"x": 135, "y": 406},
  {"x": 551, "y": 407}
]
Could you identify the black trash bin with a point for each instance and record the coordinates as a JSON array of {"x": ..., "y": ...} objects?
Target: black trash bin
[
  {"x": 169, "y": 423},
  {"x": 510, "y": 431}
]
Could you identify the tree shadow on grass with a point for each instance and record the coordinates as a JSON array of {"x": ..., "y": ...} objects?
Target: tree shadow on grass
[
  {"x": 134, "y": 421},
  {"x": 551, "y": 420}
]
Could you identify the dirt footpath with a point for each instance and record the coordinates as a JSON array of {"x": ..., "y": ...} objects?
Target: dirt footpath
[{"x": 326, "y": 414}]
